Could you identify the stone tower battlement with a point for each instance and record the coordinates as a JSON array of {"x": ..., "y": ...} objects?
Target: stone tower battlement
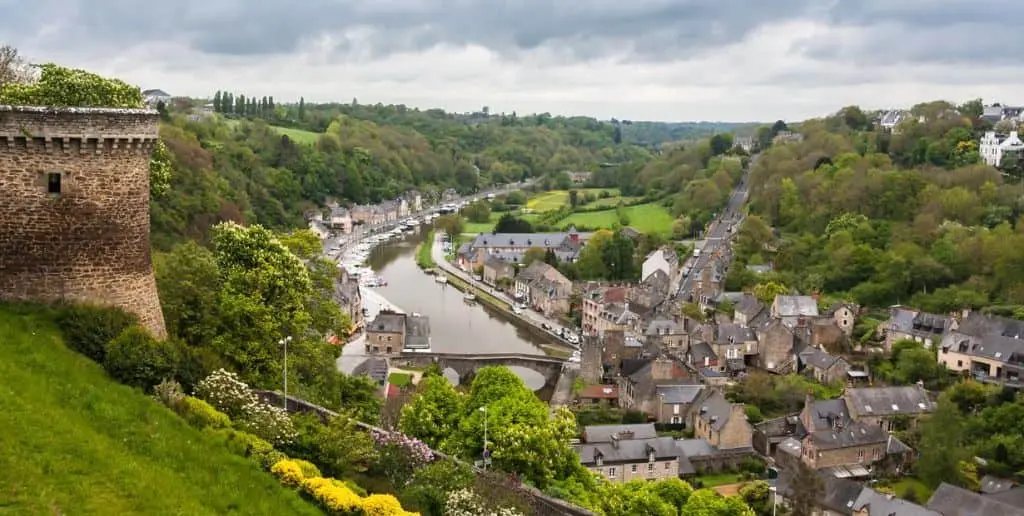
[{"x": 74, "y": 207}]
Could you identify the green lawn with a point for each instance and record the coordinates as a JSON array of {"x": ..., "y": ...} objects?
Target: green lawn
[
  {"x": 554, "y": 199},
  {"x": 299, "y": 135},
  {"x": 646, "y": 218},
  {"x": 720, "y": 479},
  {"x": 73, "y": 441},
  {"x": 400, "y": 379}
]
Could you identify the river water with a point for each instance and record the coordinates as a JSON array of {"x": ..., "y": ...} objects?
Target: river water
[{"x": 455, "y": 325}]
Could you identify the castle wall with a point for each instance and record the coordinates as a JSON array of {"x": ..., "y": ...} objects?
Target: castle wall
[{"x": 90, "y": 241}]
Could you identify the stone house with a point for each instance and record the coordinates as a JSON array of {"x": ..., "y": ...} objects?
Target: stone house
[
  {"x": 579, "y": 177},
  {"x": 639, "y": 380},
  {"x": 748, "y": 311},
  {"x": 496, "y": 270},
  {"x": 386, "y": 334},
  {"x": 340, "y": 219},
  {"x": 417, "y": 332},
  {"x": 888, "y": 407},
  {"x": 701, "y": 355},
  {"x": 844, "y": 315},
  {"x": 676, "y": 402},
  {"x": 621, "y": 453},
  {"x": 950, "y": 500},
  {"x": 415, "y": 201},
  {"x": 618, "y": 316},
  {"x": 521, "y": 284},
  {"x": 775, "y": 343},
  {"x": 566, "y": 246},
  {"x": 664, "y": 259},
  {"x": 990, "y": 349},
  {"x": 794, "y": 310},
  {"x": 824, "y": 367},
  {"x": 909, "y": 324},
  {"x": 593, "y": 303},
  {"x": 617, "y": 346},
  {"x": 732, "y": 343},
  {"x": 599, "y": 395},
  {"x": 350, "y": 300},
  {"x": 550, "y": 294},
  {"x": 833, "y": 438},
  {"x": 666, "y": 334},
  {"x": 722, "y": 424}
]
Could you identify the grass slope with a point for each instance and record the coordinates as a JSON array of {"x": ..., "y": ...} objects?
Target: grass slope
[
  {"x": 299, "y": 135},
  {"x": 646, "y": 218},
  {"x": 75, "y": 441}
]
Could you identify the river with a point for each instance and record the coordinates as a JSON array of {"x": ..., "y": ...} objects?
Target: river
[{"x": 455, "y": 325}]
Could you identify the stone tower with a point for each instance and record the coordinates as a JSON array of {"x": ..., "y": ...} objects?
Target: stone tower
[
  {"x": 592, "y": 359},
  {"x": 74, "y": 207}
]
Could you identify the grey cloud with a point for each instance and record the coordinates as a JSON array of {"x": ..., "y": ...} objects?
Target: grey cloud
[{"x": 647, "y": 29}]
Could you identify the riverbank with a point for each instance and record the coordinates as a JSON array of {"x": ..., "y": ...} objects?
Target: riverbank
[{"x": 424, "y": 256}]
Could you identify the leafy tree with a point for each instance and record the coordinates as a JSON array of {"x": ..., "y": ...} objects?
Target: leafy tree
[
  {"x": 479, "y": 212},
  {"x": 767, "y": 292},
  {"x": 428, "y": 491},
  {"x": 534, "y": 254},
  {"x": 136, "y": 358},
  {"x": 343, "y": 448},
  {"x": 758, "y": 496},
  {"x": 433, "y": 415},
  {"x": 509, "y": 223},
  {"x": 941, "y": 447},
  {"x": 13, "y": 67},
  {"x": 450, "y": 224}
]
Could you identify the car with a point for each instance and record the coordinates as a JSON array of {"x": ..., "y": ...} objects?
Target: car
[
  {"x": 516, "y": 310},
  {"x": 545, "y": 326}
]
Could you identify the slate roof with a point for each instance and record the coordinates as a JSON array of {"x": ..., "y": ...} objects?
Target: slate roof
[
  {"x": 991, "y": 484},
  {"x": 796, "y": 306},
  {"x": 855, "y": 434},
  {"x": 417, "y": 332},
  {"x": 1014, "y": 497},
  {"x": 695, "y": 447},
  {"x": 841, "y": 494},
  {"x": 628, "y": 450},
  {"x": 887, "y": 401},
  {"x": 715, "y": 410},
  {"x": 533, "y": 272},
  {"x": 700, "y": 350},
  {"x": 679, "y": 393},
  {"x": 155, "y": 93},
  {"x": 528, "y": 240},
  {"x": 749, "y": 306},
  {"x": 979, "y": 325},
  {"x": 819, "y": 359},
  {"x": 604, "y": 433},
  {"x": 387, "y": 322},
  {"x": 733, "y": 333},
  {"x": 663, "y": 326},
  {"x": 955, "y": 501},
  {"x": 374, "y": 368},
  {"x": 494, "y": 261},
  {"x": 883, "y": 505},
  {"x": 824, "y": 413}
]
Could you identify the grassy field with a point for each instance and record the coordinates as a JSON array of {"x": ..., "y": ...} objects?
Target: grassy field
[
  {"x": 299, "y": 135},
  {"x": 424, "y": 252},
  {"x": 75, "y": 442},
  {"x": 400, "y": 379},
  {"x": 646, "y": 218},
  {"x": 554, "y": 199}
]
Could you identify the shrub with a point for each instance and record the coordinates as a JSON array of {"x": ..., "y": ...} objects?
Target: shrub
[
  {"x": 136, "y": 358},
  {"x": 382, "y": 505},
  {"x": 333, "y": 496},
  {"x": 309, "y": 469},
  {"x": 169, "y": 394},
  {"x": 288, "y": 472},
  {"x": 201, "y": 414},
  {"x": 227, "y": 393},
  {"x": 266, "y": 460},
  {"x": 268, "y": 422},
  {"x": 88, "y": 328}
]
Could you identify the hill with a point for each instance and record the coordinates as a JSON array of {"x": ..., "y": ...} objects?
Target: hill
[{"x": 75, "y": 441}]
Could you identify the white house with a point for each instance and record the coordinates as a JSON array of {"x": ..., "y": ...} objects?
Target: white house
[
  {"x": 663, "y": 259},
  {"x": 994, "y": 146},
  {"x": 891, "y": 118},
  {"x": 154, "y": 97},
  {"x": 319, "y": 228},
  {"x": 341, "y": 219}
]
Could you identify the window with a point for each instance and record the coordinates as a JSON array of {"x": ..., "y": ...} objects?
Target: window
[
  {"x": 632, "y": 468},
  {"x": 650, "y": 468},
  {"x": 611, "y": 472},
  {"x": 675, "y": 408},
  {"x": 876, "y": 454},
  {"x": 860, "y": 455},
  {"x": 668, "y": 466},
  {"x": 959, "y": 363},
  {"x": 53, "y": 183}
]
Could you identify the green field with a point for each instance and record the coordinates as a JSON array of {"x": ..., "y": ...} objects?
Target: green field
[
  {"x": 554, "y": 199},
  {"x": 299, "y": 135},
  {"x": 75, "y": 442},
  {"x": 646, "y": 218},
  {"x": 400, "y": 379}
]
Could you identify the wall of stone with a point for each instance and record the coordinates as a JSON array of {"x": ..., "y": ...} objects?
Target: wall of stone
[{"x": 90, "y": 242}]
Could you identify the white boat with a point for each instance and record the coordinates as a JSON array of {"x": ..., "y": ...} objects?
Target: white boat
[
  {"x": 469, "y": 297},
  {"x": 441, "y": 279}
]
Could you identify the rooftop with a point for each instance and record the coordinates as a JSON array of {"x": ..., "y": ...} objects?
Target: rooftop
[
  {"x": 604, "y": 433},
  {"x": 886, "y": 401}
]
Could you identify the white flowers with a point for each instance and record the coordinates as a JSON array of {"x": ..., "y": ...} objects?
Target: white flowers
[
  {"x": 228, "y": 394},
  {"x": 465, "y": 502}
]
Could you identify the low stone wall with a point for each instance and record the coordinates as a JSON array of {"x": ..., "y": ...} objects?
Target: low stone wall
[{"x": 542, "y": 504}]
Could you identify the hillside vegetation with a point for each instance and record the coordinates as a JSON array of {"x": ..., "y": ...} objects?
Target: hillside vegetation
[{"x": 75, "y": 442}]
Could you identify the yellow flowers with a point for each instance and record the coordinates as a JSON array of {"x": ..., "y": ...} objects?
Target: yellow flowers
[
  {"x": 333, "y": 495},
  {"x": 288, "y": 472}
]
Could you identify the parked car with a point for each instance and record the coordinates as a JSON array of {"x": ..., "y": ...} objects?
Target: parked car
[
  {"x": 546, "y": 326},
  {"x": 517, "y": 310}
]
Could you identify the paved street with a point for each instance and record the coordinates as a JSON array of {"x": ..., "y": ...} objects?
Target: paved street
[
  {"x": 527, "y": 314},
  {"x": 717, "y": 239}
]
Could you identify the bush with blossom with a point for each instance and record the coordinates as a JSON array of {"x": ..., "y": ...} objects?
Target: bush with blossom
[
  {"x": 398, "y": 455},
  {"x": 228, "y": 394},
  {"x": 465, "y": 502},
  {"x": 288, "y": 472}
]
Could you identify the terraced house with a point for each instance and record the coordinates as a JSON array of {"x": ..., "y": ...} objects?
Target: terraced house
[{"x": 621, "y": 453}]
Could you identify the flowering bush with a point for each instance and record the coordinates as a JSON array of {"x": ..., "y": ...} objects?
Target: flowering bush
[
  {"x": 201, "y": 414},
  {"x": 399, "y": 455},
  {"x": 333, "y": 496},
  {"x": 228, "y": 394},
  {"x": 465, "y": 502},
  {"x": 288, "y": 472},
  {"x": 382, "y": 505},
  {"x": 309, "y": 470}
]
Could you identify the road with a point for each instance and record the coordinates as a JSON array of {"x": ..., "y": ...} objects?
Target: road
[
  {"x": 527, "y": 315},
  {"x": 717, "y": 239}
]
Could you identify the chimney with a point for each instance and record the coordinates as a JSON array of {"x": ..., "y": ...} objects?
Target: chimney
[
  {"x": 626, "y": 435},
  {"x": 615, "y": 441},
  {"x": 808, "y": 399},
  {"x": 661, "y": 368}
]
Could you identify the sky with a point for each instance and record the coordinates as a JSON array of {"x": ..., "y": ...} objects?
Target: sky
[{"x": 667, "y": 60}]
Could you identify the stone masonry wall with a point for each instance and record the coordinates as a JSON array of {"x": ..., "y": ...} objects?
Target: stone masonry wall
[{"x": 90, "y": 242}]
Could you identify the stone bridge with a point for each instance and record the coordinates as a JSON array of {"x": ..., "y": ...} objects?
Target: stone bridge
[{"x": 467, "y": 365}]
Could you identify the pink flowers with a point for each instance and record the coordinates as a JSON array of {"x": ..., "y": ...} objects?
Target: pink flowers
[{"x": 416, "y": 451}]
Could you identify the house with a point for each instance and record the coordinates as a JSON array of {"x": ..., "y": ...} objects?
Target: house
[
  {"x": 701, "y": 355},
  {"x": 666, "y": 334},
  {"x": 663, "y": 259},
  {"x": 824, "y": 367},
  {"x": 676, "y": 401},
  {"x": 721, "y": 423},
  {"x": 617, "y": 316},
  {"x": 154, "y": 97},
  {"x": 775, "y": 343},
  {"x": 732, "y": 342},
  {"x": 844, "y": 315},
  {"x": 319, "y": 228},
  {"x": 997, "y": 112},
  {"x": 391, "y": 332},
  {"x": 950, "y": 500},
  {"x": 639, "y": 380},
  {"x": 992, "y": 358},
  {"x": 605, "y": 433},
  {"x": 891, "y": 118},
  {"x": 747, "y": 143},
  {"x": 526, "y": 277},
  {"x": 374, "y": 368},
  {"x": 909, "y": 324},
  {"x": 341, "y": 219},
  {"x": 350, "y": 300},
  {"x": 748, "y": 311},
  {"x": 888, "y": 407},
  {"x": 579, "y": 177},
  {"x": 415, "y": 201},
  {"x": 512, "y": 246},
  {"x": 618, "y": 346},
  {"x": 844, "y": 497},
  {"x": 544, "y": 288},
  {"x": 599, "y": 394},
  {"x": 993, "y": 485},
  {"x": 787, "y": 137},
  {"x": 794, "y": 310},
  {"x": 625, "y": 457},
  {"x": 497, "y": 270},
  {"x": 594, "y": 300},
  {"x": 993, "y": 147},
  {"x": 386, "y": 333}
]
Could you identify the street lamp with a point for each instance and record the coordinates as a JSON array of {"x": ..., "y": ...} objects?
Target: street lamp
[
  {"x": 486, "y": 454},
  {"x": 284, "y": 342},
  {"x": 775, "y": 493}
]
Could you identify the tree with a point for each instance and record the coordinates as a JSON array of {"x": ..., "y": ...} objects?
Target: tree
[
  {"x": 534, "y": 254},
  {"x": 13, "y": 68},
  {"x": 433, "y": 415},
  {"x": 706, "y": 502},
  {"x": 302, "y": 108},
  {"x": 451, "y": 224},
  {"x": 767, "y": 292},
  {"x": 479, "y": 212},
  {"x": 343, "y": 448},
  {"x": 721, "y": 143},
  {"x": 217, "y": 102},
  {"x": 591, "y": 264},
  {"x": 189, "y": 283},
  {"x": 509, "y": 223},
  {"x": 758, "y": 496},
  {"x": 428, "y": 491},
  {"x": 941, "y": 446},
  {"x": 619, "y": 256},
  {"x": 808, "y": 488},
  {"x": 574, "y": 197}
]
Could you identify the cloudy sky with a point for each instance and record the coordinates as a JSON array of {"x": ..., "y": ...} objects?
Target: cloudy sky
[{"x": 733, "y": 60}]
